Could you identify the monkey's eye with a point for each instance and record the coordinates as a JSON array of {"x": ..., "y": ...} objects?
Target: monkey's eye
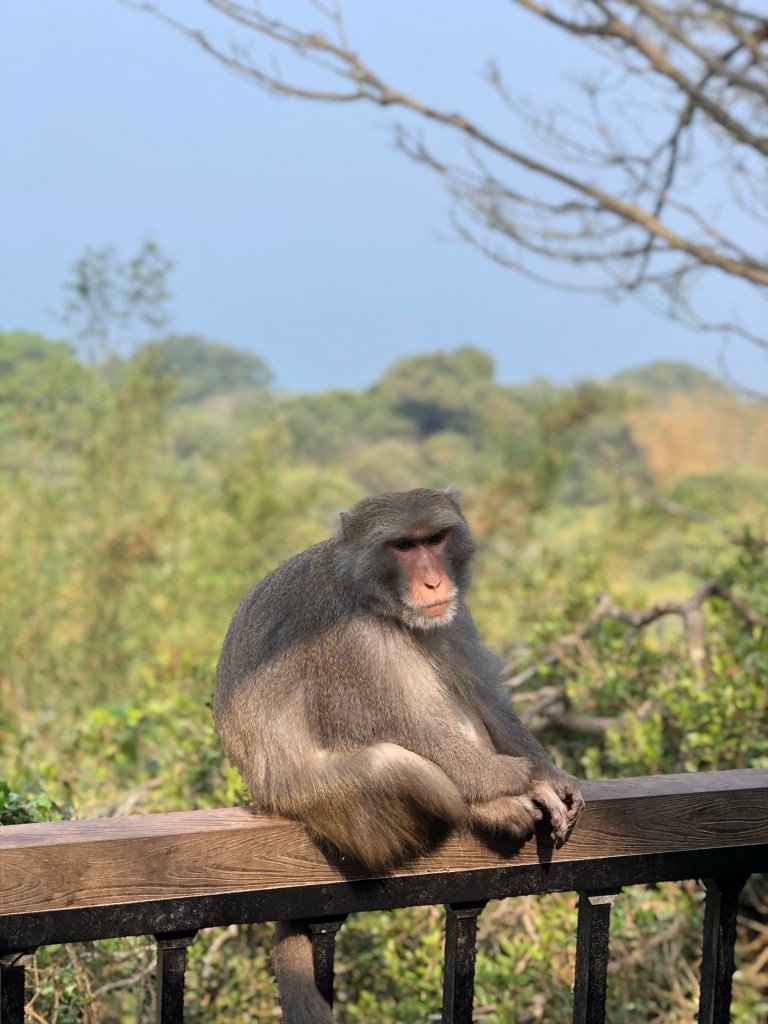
[
  {"x": 403, "y": 545},
  {"x": 437, "y": 538}
]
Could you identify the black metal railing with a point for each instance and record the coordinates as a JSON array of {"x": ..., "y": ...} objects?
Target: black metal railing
[{"x": 169, "y": 875}]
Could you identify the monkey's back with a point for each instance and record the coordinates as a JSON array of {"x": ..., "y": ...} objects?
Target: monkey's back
[{"x": 296, "y": 601}]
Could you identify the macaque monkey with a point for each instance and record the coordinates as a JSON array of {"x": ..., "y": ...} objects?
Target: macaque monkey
[{"x": 354, "y": 695}]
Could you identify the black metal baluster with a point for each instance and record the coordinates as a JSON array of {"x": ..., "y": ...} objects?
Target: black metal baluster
[
  {"x": 323, "y": 931},
  {"x": 459, "y": 967},
  {"x": 719, "y": 940},
  {"x": 592, "y": 946},
  {"x": 12, "y": 985},
  {"x": 171, "y": 965}
]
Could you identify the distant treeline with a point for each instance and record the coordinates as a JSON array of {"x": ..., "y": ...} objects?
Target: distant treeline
[{"x": 144, "y": 493}]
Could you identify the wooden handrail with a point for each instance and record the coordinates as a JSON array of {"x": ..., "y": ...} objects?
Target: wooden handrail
[
  {"x": 103, "y": 861},
  {"x": 171, "y": 874}
]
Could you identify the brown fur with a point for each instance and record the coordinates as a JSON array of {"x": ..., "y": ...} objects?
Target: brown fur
[
  {"x": 292, "y": 963},
  {"x": 378, "y": 729}
]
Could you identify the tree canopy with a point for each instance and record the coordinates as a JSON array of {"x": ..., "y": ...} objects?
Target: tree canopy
[{"x": 201, "y": 368}]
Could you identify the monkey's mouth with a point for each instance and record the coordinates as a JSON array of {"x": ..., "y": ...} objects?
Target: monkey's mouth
[
  {"x": 431, "y": 614},
  {"x": 435, "y": 607}
]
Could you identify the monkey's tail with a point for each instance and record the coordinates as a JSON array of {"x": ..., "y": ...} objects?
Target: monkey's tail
[{"x": 292, "y": 964}]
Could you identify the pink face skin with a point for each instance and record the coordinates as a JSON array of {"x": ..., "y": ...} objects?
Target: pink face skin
[{"x": 422, "y": 560}]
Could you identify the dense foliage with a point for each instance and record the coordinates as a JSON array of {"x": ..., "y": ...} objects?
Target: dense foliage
[{"x": 143, "y": 494}]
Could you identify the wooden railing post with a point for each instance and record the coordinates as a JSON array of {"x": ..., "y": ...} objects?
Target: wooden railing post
[
  {"x": 323, "y": 931},
  {"x": 719, "y": 941},
  {"x": 459, "y": 967},
  {"x": 171, "y": 965},
  {"x": 592, "y": 950},
  {"x": 12, "y": 985}
]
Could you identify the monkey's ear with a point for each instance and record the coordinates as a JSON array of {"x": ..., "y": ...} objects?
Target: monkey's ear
[
  {"x": 344, "y": 521},
  {"x": 454, "y": 494}
]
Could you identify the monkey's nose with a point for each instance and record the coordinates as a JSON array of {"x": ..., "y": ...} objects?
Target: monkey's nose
[{"x": 432, "y": 584}]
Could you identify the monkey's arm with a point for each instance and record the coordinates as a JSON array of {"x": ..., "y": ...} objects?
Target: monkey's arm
[
  {"x": 552, "y": 788},
  {"x": 478, "y": 772},
  {"x": 557, "y": 791}
]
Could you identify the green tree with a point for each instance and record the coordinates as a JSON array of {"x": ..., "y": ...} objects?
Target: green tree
[
  {"x": 440, "y": 391},
  {"x": 40, "y": 383},
  {"x": 200, "y": 368}
]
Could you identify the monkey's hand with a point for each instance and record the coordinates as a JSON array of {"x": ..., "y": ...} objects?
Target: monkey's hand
[
  {"x": 514, "y": 816},
  {"x": 559, "y": 794}
]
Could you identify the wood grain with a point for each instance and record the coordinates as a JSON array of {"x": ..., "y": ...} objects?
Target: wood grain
[{"x": 111, "y": 861}]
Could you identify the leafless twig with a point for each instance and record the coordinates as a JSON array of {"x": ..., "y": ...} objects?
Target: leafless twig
[{"x": 611, "y": 206}]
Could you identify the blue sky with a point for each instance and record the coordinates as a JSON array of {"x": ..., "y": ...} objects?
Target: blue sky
[{"x": 297, "y": 230}]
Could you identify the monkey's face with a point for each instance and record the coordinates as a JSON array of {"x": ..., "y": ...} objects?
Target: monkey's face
[
  {"x": 428, "y": 593},
  {"x": 407, "y": 556}
]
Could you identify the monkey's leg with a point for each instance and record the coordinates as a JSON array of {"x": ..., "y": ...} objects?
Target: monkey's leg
[
  {"x": 292, "y": 963},
  {"x": 379, "y": 805}
]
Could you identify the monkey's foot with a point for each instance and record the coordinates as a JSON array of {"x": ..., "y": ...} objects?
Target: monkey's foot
[{"x": 514, "y": 816}]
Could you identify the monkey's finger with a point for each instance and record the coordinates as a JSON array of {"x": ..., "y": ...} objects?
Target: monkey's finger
[
  {"x": 575, "y": 805},
  {"x": 571, "y": 796},
  {"x": 568, "y": 790},
  {"x": 544, "y": 795}
]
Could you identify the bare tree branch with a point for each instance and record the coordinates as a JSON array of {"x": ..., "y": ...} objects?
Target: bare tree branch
[
  {"x": 549, "y": 705},
  {"x": 608, "y": 200}
]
